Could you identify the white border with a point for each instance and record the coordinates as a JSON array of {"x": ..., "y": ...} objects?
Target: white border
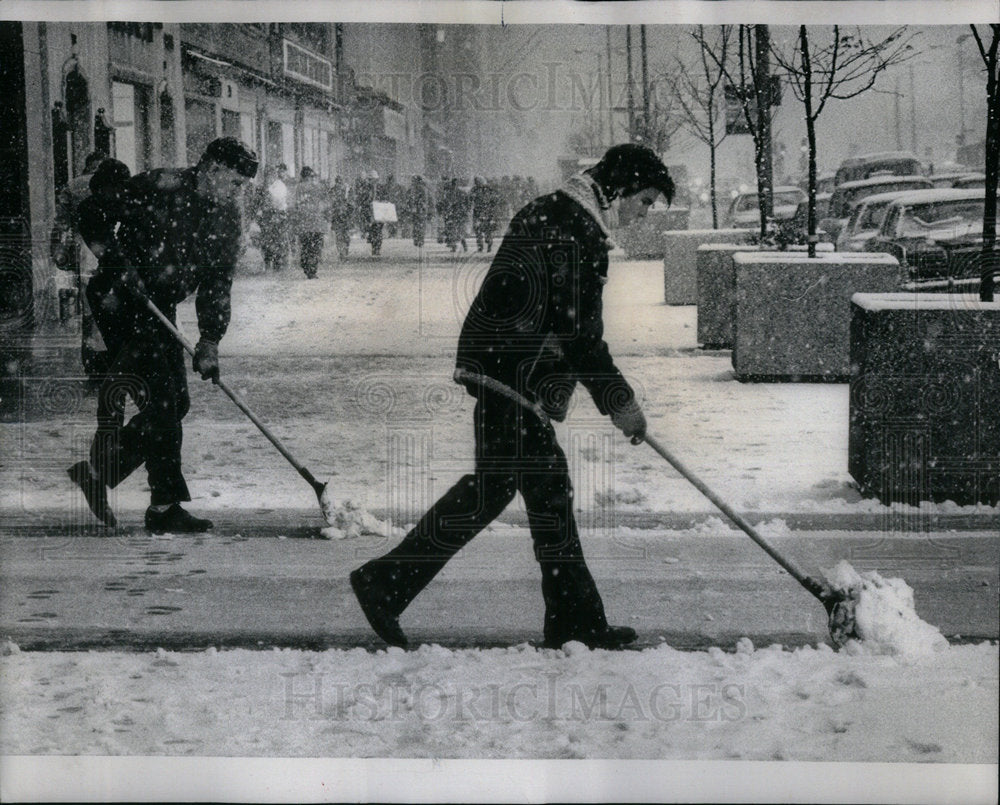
[
  {"x": 516, "y": 12},
  {"x": 322, "y": 780},
  {"x": 144, "y": 779}
]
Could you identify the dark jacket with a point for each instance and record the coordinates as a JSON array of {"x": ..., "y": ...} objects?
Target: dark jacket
[
  {"x": 536, "y": 324},
  {"x": 178, "y": 243}
]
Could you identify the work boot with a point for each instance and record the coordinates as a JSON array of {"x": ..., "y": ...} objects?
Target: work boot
[
  {"x": 175, "y": 521},
  {"x": 374, "y": 604},
  {"x": 611, "y": 638},
  {"x": 94, "y": 492}
]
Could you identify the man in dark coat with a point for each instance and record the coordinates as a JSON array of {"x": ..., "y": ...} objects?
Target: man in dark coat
[
  {"x": 418, "y": 203},
  {"x": 534, "y": 330},
  {"x": 174, "y": 232}
]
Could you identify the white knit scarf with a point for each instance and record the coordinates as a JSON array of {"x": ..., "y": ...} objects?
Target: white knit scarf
[{"x": 582, "y": 188}]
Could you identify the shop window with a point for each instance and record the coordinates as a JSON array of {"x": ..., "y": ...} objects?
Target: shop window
[
  {"x": 231, "y": 123},
  {"x": 130, "y": 114}
]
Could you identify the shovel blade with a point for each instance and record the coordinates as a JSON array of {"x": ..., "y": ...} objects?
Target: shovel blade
[{"x": 841, "y": 617}]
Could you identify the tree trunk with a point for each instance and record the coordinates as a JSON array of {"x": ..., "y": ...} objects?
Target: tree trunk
[
  {"x": 762, "y": 87},
  {"x": 811, "y": 137},
  {"x": 711, "y": 170},
  {"x": 990, "y": 256}
]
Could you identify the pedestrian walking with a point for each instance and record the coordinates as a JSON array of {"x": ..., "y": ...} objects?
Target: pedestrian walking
[
  {"x": 311, "y": 214},
  {"x": 485, "y": 200},
  {"x": 167, "y": 234},
  {"x": 71, "y": 255},
  {"x": 533, "y": 331},
  {"x": 341, "y": 217},
  {"x": 273, "y": 222},
  {"x": 367, "y": 195},
  {"x": 456, "y": 213},
  {"x": 418, "y": 203}
]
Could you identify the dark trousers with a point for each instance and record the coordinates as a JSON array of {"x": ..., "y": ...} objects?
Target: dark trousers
[
  {"x": 376, "y": 231},
  {"x": 515, "y": 452},
  {"x": 310, "y": 250},
  {"x": 342, "y": 237},
  {"x": 147, "y": 365},
  {"x": 274, "y": 240},
  {"x": 419, "y": 231}
]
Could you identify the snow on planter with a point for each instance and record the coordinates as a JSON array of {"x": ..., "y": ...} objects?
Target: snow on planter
[
  {"x": 925, "y": 392},
  {"x": 792, "y": 313},
  {"x": 680, "y": 260}
]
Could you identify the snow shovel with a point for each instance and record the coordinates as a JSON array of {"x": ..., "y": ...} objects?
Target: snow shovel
[
  {"x": 839, "y": 604},
  {"x": 318, "y": 488}
]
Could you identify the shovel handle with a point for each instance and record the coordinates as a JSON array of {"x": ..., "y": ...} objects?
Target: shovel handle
[
  {"x": 811, "y": 584},
  {"x": 316, "y": 485}
]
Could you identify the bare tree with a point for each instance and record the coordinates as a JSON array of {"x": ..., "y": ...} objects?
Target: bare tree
[
  {"x": 657, "y": 127},
  {"x": 699, "y": 96},
  {"x": 843, "y": 68},
  {"x": 990, "y": 55},
  {"x": 750, "y": 79}
]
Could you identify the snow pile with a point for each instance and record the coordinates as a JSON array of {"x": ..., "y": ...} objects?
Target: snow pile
[
  {"x": 884, "y": 612},
  {"x": 348, "y": 519},
  {"x": 811, "y": 704}
]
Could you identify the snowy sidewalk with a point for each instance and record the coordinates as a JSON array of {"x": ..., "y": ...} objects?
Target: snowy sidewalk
[{"x": 353, "y": 372}]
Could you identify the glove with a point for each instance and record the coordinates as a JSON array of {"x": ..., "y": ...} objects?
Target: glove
[
  {"x": 206, "y": 360},
  {"x": 630, "y": 421}
]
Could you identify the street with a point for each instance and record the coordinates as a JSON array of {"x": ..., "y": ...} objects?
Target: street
[{"x": 353, "y": 370}]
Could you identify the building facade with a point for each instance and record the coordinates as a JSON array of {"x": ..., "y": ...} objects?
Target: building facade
[{"x": 335, "y": 97}]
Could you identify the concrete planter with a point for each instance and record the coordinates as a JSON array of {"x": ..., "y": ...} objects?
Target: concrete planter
[
  {"x": 925, "y": 397},
  {"x": 792, "y": 314},
  {"x": 716, "y": 289},
  {"x": 680, "y": 265},
  {"x": 715, "y": 281},
  {"x": 643, "y": 240}
]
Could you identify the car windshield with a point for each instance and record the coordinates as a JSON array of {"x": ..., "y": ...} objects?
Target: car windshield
[
  {"x": 843, "y": 198},
  {"x": 954, "y": 218},
  {"x": 871, "y": 215}
]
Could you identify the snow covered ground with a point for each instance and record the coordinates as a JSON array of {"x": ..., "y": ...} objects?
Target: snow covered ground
[
  {"x": 811, "y": 704},
  {"x": 341, "y": 367}
]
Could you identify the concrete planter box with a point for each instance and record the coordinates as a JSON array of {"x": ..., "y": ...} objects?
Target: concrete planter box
[
  {"x": 680, "y": 264},
  {"x": 792, "y": 314},
  {"x": 715, "y": 281},
  {"x": 716, "y": 289},
  {"x": 925, "y": 397},
  {"x": 643, "y": 240}
]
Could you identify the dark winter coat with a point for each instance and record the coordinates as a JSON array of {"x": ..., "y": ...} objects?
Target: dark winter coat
[
  {"x": 536, "y": 324},
  {"x": 177, "y": 241}
]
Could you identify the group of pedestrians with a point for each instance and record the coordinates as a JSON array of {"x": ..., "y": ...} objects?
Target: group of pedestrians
[
  {"x": 163, "y": 235},
  {"x": 295, "y": 215}
]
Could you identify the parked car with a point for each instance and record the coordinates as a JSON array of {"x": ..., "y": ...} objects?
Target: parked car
[
  {"x": 865, "y": 220},
  {"x": 934, "y": 234},
  {"x": 850, "y": 192},
  {"x": 970, "y": 180},
  {"x": 798, "y": 226},
  {"x": 744, "y": 212},
  {"x": 896, "y": 163},
  {"x": 949, "y": 179}
]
